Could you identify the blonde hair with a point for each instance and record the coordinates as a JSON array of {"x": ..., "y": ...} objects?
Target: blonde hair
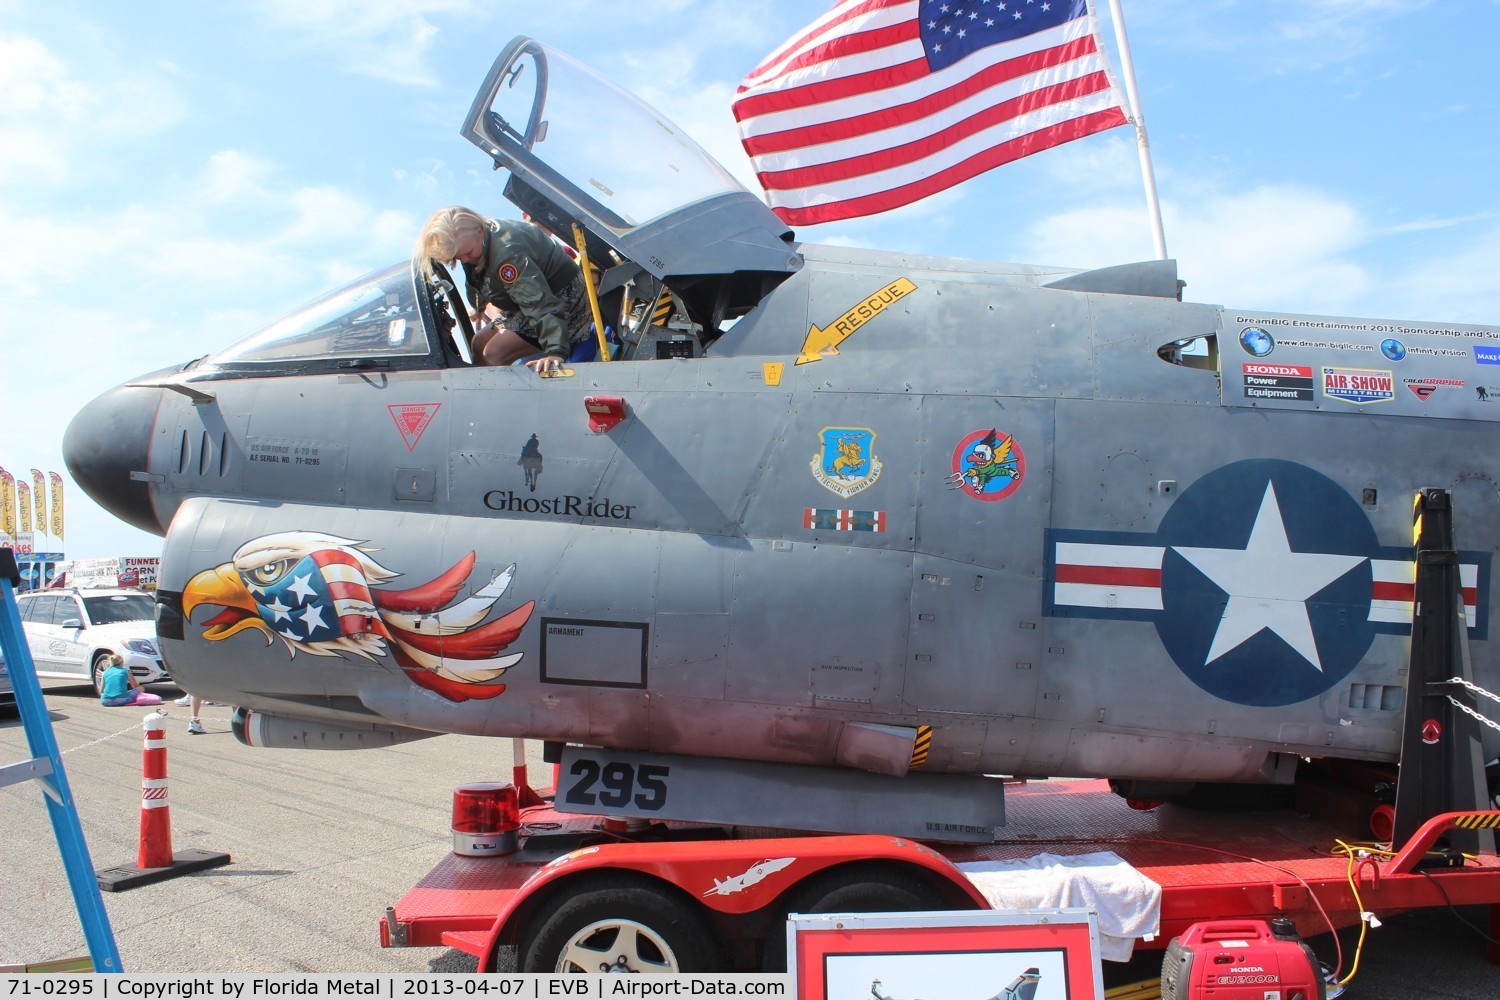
[
  {"x": 115, "y": 660},
  {"x": 439, "y": 238}
]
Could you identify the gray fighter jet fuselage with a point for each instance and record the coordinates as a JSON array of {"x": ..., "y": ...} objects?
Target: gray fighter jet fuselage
[{"x": 895, "y": 514}]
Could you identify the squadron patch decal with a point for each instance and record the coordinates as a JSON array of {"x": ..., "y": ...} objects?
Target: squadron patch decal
[
  {"x": 846, "y": 463},
  {"x": 320, "y": 594},
  {"x": 988, "y": 465},
  {"x": 508, "y": 273},
  {"x": 1265, "y": 581}
]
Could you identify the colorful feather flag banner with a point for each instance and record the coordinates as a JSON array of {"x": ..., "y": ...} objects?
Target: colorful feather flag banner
[
  {"x": 7, "y": 505},
  {"x": 57, "y": 505},
  {"x": 23, "y": 510},
  {"x": 39, "y": 497},
  {"x": 880, "y": 103}
]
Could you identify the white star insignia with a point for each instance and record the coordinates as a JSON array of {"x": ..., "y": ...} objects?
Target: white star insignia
[
  {"x": 301, "y": 588},
  {"x": 312, "y": 617},
  {"x": 1268, "y": 584},
  {"x": 279, "y": 610}
]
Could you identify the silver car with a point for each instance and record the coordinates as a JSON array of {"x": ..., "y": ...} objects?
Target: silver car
[{"x": 71, "y": 632}]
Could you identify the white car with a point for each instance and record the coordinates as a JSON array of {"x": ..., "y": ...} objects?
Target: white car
[
  {"x": 70, "y": 632},
  {"x": 7, "y": 695}
]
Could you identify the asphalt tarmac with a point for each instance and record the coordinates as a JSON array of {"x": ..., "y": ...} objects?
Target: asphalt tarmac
[{"x": 322, "y": 842}]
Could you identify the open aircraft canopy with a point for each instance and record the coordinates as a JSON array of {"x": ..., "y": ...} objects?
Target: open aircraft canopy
[{"x": 580, "y": 149}]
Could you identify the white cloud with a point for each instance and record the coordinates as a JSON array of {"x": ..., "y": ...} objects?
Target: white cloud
[
  {"x": 1272, "y": 247},
  {"x": 53, "y": 123},
  {"x": 388, "y": 39}
]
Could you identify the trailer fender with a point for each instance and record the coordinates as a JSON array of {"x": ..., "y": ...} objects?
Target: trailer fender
[{"x": 727, "y": 877}]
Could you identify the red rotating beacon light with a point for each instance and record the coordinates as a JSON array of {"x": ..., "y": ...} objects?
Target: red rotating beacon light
[{"x": 486, "y": 819}]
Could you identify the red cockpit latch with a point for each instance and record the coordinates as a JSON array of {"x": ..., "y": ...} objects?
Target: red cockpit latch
[{"x": 604, "y": 412}]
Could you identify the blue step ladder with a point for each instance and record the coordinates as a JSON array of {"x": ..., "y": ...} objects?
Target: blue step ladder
[{"x": 46, "y": 767}]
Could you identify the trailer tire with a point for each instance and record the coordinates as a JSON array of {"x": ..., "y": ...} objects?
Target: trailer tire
[
  {"x": 619, "y": 926},
  {"x": 850, "y": 890}
]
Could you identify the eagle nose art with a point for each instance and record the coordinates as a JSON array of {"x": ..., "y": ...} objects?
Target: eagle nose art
[{"x": 107, "y": 441}]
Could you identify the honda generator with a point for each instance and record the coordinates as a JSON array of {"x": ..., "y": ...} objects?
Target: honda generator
[{"x": 1241, "y": 960}]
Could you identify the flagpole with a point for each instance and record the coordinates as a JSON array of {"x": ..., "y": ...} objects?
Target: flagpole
[{"x": 1143, "y": 147}]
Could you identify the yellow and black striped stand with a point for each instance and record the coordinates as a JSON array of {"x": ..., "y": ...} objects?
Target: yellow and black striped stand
[{"x": 1442, "y": 766}]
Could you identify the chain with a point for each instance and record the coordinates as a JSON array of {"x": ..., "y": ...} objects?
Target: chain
[
  {"x": 1473, "y": 687},
  {"x": 160, "y": 710},
  {"x": 84, "y": 746},
  {"x": 1469, "y": 711}
]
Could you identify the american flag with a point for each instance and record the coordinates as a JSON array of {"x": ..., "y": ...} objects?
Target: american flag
[{"x": 880, "y": 103}]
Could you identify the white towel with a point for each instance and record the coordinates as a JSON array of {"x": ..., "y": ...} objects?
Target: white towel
[{"x": 1127, "y": 902}]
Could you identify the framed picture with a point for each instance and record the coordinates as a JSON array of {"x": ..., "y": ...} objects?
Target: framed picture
[{"x": 1045, "y": 954}]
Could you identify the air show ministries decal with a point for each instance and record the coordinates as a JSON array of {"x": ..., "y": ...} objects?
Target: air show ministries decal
[
  {"x": 1358, "y": 385},
  {"x": 846, "y": 463},
  {"x": 1265, "y": 581},
  {"x": 988, "y": 465}
]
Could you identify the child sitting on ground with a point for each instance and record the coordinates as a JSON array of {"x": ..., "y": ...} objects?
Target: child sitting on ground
[{"x": 120, "y": 686}]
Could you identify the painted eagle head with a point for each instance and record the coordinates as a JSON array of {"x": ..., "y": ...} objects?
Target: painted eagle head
[
  {"x": 321, "y": 594},
  {"x": 309, "y": 589}
]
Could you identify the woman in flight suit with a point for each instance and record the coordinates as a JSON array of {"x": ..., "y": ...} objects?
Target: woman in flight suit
[{"x": 522, "y": 274}]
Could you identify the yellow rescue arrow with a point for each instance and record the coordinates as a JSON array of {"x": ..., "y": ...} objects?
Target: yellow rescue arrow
[{"x": 826, "y": 340}]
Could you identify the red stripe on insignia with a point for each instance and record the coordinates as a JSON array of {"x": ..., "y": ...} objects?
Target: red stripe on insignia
[
  {"x": 1118, "y": 576},
  {"x": 1387, "y": 591}
]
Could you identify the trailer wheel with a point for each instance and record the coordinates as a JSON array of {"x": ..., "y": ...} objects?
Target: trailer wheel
[
  {"x": 619, "y": 927},
  {"x": 850, "y": 890}
]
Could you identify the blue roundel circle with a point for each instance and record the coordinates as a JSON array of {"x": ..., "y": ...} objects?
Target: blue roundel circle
[
  {"x": 1393, "y": 349},
  {"x": 1256, "y": 342},
  {"x": 1266, "y": 583}
]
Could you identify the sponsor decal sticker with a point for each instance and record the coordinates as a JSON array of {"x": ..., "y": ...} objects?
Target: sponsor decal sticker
[
  {"x": 1486, "y": 355},
  {"x": 1393, "y": 349},
  {"x": 1269, "y": 381},
  {"x": 1423, "y": 388},
  {"x": 1358, "y": 385},
  {"x": 1257, "y": 342}
]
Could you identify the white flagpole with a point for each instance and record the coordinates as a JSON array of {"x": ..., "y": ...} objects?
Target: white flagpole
[{"x": 1148, "y": 176}]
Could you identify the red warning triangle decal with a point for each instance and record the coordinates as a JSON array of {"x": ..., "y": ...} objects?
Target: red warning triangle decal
[{"x": 412, "y": 419}]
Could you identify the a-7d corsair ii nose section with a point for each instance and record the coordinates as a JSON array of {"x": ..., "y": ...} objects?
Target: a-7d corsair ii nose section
[{"x": 907, "y": 522}]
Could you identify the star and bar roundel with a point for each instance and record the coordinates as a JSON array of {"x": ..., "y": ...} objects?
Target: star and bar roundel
[{"x": 1265, "y": 581}]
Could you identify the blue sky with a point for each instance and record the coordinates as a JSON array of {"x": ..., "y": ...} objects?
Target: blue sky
[{"x": 174, "y": 175}]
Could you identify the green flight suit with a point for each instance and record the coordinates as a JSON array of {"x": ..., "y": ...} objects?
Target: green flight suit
[{"x": 529, "y": 278}]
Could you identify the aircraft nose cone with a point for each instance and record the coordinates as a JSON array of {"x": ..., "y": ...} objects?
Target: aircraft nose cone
[{"x": 107, "y": 441}]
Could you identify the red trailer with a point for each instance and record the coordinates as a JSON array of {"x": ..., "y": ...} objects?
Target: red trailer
[{"x": 580, "y": 896}]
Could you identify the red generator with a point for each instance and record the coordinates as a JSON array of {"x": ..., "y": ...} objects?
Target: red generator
[{"x": 1241, "y": 960}]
